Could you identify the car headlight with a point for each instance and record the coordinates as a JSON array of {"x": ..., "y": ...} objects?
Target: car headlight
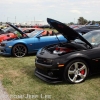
[{"x": 10, "y": 46}]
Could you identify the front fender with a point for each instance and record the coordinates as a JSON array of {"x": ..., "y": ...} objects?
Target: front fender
[
  {"x": 81, "y": 56},
  {"x": 78, "y": 55}
]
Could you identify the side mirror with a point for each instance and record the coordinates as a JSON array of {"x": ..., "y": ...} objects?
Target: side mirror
[{"x": 38, "y": 36}]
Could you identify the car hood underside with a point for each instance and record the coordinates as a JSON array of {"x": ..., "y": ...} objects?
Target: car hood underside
[{"x": 66, "y": 31}]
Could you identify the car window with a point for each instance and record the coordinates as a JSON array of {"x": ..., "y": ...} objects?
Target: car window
[
  {"x": 32, "y": 34},
  {"x": 92, "y": 37},
  {"x": 8, "y": 29},
  {"x": 29, "y": 30}
]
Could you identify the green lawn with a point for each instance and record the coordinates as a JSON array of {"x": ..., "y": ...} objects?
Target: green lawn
[{"x": 17, "y": 76}]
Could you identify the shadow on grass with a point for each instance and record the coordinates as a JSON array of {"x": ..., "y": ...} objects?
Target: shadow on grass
[
  {"x": 94, "y": 76},
  {"x": 31, "y": 73},
  {"x": 28, "y": 55}
]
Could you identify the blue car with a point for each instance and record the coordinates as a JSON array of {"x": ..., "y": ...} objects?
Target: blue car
[{"x": 29, "y": 43}]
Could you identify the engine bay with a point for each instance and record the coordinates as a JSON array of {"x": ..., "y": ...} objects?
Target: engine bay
[
  {"x": 65, "y": 48},
  {"x": 61, "y": 50}
]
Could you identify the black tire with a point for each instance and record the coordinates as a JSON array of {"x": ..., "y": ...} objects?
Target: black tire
[
  {"x": 19, "y": 50},
  {"x": 76, "y": 71}
]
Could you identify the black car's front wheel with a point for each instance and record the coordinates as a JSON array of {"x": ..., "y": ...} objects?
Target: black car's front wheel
[
  {"x": 19, "y": 50},
  {"x": 76, "y": 71}
]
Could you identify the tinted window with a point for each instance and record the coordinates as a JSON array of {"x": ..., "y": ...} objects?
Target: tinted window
[
  {"x": 32, "y": 34},
  {"x": 92, "y": 37}
]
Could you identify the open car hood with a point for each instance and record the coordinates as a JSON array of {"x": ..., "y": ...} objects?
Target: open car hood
[
  {"x": 66, "y": 31},
  {"x": 17, "y": 29}
]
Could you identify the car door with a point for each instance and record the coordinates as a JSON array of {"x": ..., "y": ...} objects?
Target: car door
[
  {"x": 94, "y": 54},
  {"x": 44, "y": 40},
  {"x": 47, "y": 40}
]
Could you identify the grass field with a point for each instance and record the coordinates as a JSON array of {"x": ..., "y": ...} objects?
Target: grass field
[{"x": 17, "y": 76}]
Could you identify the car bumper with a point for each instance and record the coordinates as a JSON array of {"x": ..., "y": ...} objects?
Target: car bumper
[
  {"x": 4, "y": 51},
  {"x": 48, "y": 73}
]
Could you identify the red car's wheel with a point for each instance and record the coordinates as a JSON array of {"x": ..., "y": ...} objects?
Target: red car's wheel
[
  {"x": 76, "y": 71},
  {"x": 19, "y": 50}
]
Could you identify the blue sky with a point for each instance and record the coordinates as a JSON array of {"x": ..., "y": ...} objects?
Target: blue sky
[{"x": 63, "y": 10}]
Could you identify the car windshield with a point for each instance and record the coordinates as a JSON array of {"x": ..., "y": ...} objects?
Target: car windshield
[
  {"x": 8, "y": 29},
  {"x": 93, "y": 37},
  {"x": 32, "y": 34}
]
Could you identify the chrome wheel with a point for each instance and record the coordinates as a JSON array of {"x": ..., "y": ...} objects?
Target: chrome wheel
[
  {"x": 19, "y": 50},
  {"x": 76, "y": 71}
]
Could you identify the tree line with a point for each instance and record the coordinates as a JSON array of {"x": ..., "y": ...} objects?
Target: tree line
[{"x": 83, "y": 21}]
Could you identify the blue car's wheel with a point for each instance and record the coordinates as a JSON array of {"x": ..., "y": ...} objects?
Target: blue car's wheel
[{"x": 19, "y": 50}]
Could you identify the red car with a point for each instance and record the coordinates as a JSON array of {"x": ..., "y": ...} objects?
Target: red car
[{"x": 14, "y": 34}]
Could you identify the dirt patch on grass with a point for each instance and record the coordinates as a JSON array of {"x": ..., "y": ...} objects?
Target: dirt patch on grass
[
  {"x": 1, "y": 76},
  {"x": 13, "y": 73}
]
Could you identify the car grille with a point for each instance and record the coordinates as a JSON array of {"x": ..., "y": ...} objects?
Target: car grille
[
  {"x": 2, "y": 45},
  {"x": 44, "y": 61},
  {"x": 42, "y": 71}
]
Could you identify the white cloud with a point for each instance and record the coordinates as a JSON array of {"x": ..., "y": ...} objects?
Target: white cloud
[
  {"x": 87, "y": 12},
  {"x": 52, "y": 6},
  {"x": 75, "y": 11},
  {"x": 59, "y": 9}
]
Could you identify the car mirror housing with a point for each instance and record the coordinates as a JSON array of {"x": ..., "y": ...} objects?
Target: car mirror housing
[{"x": 38, "y": 36}]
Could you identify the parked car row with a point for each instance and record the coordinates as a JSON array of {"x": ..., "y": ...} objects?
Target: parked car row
[
  {"x": 66, "y": 56},
  {"x": 87, "y": 28},
  {"x": 11, "y": 34},
  {"x": 25, "y": 43}
]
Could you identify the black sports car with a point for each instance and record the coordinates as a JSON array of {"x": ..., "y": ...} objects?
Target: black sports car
[
  {"x": 71, "y": 61},
  {"x": 87, "y": 28}
]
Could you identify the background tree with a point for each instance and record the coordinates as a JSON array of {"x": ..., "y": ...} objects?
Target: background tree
[
  {"x": 0, "y": 23},
  {"x": 93, "y": 22},
  {"x": 82, "y": 21},
  {"x": 71, "y": 23}
]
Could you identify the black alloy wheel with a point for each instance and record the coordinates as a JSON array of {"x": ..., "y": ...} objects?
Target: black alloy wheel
[
  {"x": 76, "y": 71},
  {"x": 19, "y": 50}
]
